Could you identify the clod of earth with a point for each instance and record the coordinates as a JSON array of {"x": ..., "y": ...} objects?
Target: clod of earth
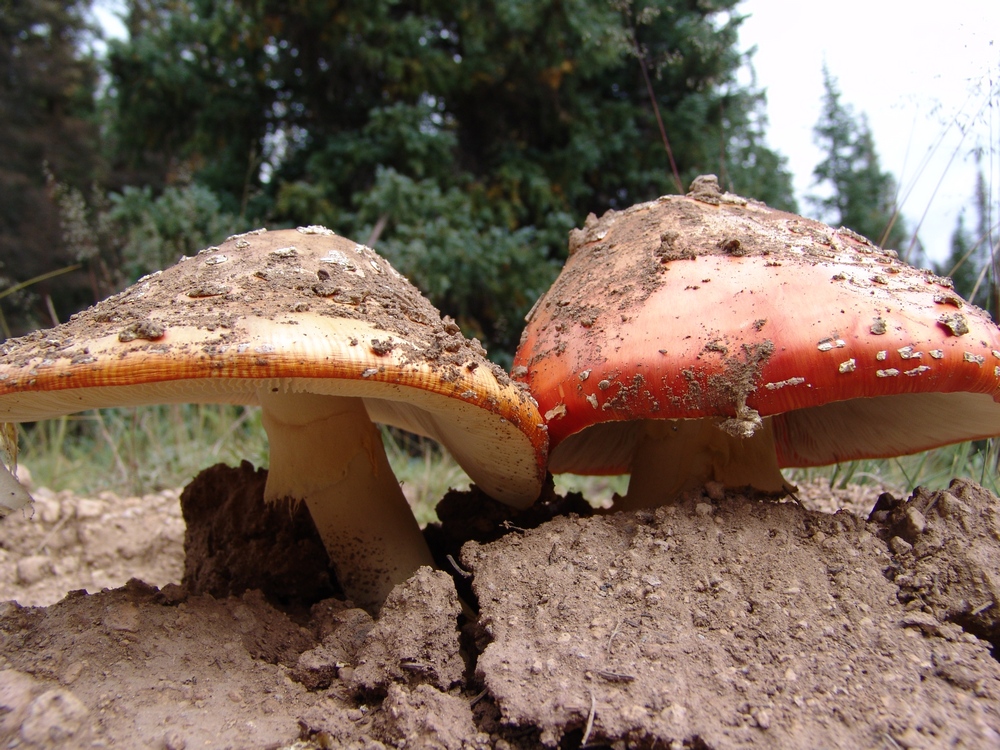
[
  {"x": 709, "y": 337},
  {"x": 326, "y": 337},
  {"x": 738, "y": 623}
]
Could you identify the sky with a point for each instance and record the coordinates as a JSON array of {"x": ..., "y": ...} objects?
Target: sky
[{"x": 921, "y": 76}]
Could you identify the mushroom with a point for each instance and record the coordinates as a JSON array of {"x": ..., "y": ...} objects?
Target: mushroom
[
  {"x": 709, "y": 337},
  {"x": 13, "y": 496},
  {"x": 325, "y": 336}
]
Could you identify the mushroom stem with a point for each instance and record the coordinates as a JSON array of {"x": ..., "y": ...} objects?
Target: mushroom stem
[
  {"x": 325, "y": 451},
  {"x": 674, "y": 455},
  {"x": 12, "y": 494}
]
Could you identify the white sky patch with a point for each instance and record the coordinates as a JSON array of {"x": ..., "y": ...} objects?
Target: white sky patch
[
  {"x": 921, "y": 73},
  {"x": 109, "y": 14}
]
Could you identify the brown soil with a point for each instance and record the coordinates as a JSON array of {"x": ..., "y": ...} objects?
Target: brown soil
[{"x": 722, "y": 622}]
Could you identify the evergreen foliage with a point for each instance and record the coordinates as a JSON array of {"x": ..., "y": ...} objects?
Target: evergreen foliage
[
  {"x": 47, "y": 116},
  {"x": 972, "y": 261},
  {"x": 860, "y": 195},
  {"x": 463, "y": 138}
]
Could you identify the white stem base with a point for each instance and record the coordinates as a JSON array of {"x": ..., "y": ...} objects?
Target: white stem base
[
  {"x": 673, "y": 456},
  {"x": 326, "y": 452},
  {"x": 13, "y": 496}
]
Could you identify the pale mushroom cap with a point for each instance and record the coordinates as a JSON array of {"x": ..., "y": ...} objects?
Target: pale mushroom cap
[
  {"x": 689, "y": 307},
  {"x": 296, "y": 311}
]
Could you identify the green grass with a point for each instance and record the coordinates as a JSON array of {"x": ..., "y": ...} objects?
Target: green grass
[
  {"x": 932, "y": 469},
  {"x": 425, "y": 470},
  {"x": 598, "y": 491},
  {"x": 139, "y": 450},
  {"x": 133, "y": 451}
]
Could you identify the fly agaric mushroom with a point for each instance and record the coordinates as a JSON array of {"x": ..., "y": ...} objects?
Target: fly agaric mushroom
[
  {"x": 709, "y": 337},
  {"x": 324, "y": 335}
]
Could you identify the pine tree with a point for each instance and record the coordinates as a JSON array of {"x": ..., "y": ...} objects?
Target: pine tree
[
  {"x": 861, "y": 196},
  {"x": 465, "y": 137},
  {"x": 47, "y": 121},
  {"x": 972, "y": 261}
]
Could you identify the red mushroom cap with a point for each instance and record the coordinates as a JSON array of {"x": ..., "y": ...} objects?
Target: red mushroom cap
[{"x": 714, "y": 306}]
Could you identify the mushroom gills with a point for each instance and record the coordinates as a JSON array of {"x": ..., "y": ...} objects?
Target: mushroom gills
[
  {"x": 325, "y": 452},
  {"x": 883, "y": 427},
  {"x": 675, "y": 455}
]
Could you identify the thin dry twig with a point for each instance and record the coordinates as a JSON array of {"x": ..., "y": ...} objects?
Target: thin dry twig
[
  {"x": 659, "y": 121},
  {"x": 641, "y": 57},
  {"x": 611, "y": 638},
  {"x": 377, "y": 230},
  {"x": 610, "y": 676},
  {"x": 590, "y": 721},
  {"x": 511, "y": 527},
  {"x": 982, "y": 608},
  {"x": 458, "y": 569}
]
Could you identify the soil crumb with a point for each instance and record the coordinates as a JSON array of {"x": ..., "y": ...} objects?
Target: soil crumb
[{"x": 725, "y": 621}]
